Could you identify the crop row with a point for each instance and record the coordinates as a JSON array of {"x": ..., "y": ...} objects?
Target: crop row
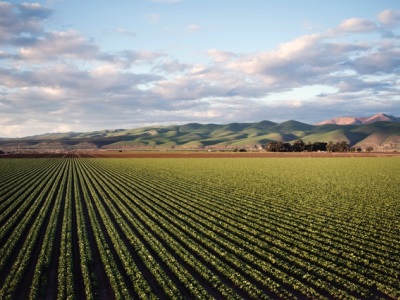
[
  {"x": 323, "y": 250},
  {"x": 157, "y": 228},
  {"x": 18, "y": 252}
]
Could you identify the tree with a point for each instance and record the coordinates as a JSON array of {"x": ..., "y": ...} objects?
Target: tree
[
  {"x": 341, "y": 146},
  {"x": 272, "y": 147},
  {"x": 330, "y": 146},
  {"x": 308, "y": 147},
  {"x": 286, "y": 147},
  {"x": 319, "y": 146},
  {"x": 278, "y": 147},
  {"x": 298, "y": 146},
  {"x": 369, "y": 149}
]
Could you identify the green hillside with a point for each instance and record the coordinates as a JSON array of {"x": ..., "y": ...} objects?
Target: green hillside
[{"x": 380, "y": 135}]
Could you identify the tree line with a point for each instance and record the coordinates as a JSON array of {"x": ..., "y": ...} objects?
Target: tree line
[{"x": 299, "y": 146}]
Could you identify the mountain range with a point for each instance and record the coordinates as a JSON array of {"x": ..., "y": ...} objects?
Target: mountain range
[{"x": 382, "y": 132}]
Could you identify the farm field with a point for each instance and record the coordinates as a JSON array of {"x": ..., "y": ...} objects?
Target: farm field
[{"x": 259, "y": 228}]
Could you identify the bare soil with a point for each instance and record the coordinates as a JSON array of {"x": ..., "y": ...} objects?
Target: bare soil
[{"x": 196, "y": 154}]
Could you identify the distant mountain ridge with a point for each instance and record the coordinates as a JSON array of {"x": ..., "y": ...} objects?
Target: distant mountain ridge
[
  {"x": 382, "y": 132},
  {"x": 361, "y": 120}
]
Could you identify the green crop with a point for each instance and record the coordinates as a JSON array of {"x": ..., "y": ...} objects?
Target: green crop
[{"x": 261, "y": 228}]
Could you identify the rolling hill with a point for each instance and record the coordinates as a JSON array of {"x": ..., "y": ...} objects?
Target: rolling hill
[{"x": 381, "y": 135}]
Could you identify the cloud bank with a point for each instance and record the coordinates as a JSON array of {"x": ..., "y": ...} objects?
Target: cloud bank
[{"x": 64, "y": 81}]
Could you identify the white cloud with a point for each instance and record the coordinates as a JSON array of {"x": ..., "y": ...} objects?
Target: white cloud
[
  {"x": 220, "y": 56},
  {"x": 307, "y": 60},
  {"x": 298, "y": 47},
  {"x": 357, "y": 25},
  {"x": 33, "y": 10},
  {"x": 21, "y": 24},
  {"x": 292, "y": 63},
  {"x": 171, "y": 66},
  {"x": 389, "y": 17},
  {"x": 67, "y": 44},
  {"x": 62, "y": 80},
  {"x": 384, "y": 61}
]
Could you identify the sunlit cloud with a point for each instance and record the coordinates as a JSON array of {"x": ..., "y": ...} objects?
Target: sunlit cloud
[
  {"x": 389, "y": 17},
  {"x": 60, "y": 79},
  {"x": 357, "y": 25},
  {"x": 220, "y": 56}
]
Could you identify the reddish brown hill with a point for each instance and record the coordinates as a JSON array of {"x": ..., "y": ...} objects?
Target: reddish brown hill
[{"x": 361, "y": 120}]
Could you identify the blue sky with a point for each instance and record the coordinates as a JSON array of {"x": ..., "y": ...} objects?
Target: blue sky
[{"x": 90, "y": 65}]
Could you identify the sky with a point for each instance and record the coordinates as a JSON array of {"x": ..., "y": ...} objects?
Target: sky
[{"x": 69, "y": 65}]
